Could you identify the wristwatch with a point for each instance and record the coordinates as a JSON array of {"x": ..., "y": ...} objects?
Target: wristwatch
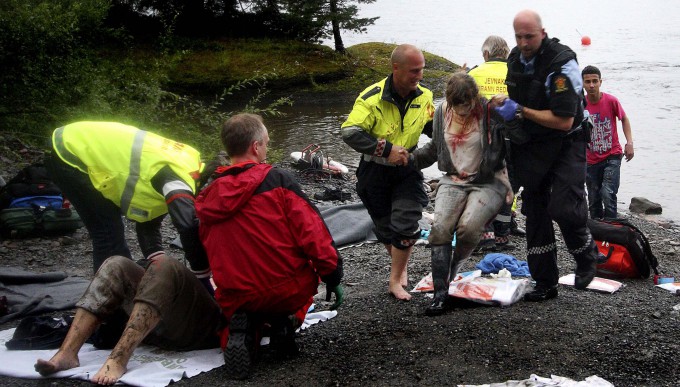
[{"x": 518, "y": 112}]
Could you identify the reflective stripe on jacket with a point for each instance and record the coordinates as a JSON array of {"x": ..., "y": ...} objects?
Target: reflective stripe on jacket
[
  {"x": 121, "y": 160},
  {"x": 376, "y": 112}
]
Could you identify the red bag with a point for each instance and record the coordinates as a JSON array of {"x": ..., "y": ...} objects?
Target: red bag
[
  {"x": 619, "y": 263},
  {"x": 626, "y": 248}
]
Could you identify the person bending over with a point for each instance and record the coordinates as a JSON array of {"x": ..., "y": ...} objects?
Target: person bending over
[{"x": 109, "y": 169}]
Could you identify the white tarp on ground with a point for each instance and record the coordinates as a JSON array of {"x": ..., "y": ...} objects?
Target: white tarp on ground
[
  {"x": 148, "y": 367},
  {"x": 553, "y": 380}
]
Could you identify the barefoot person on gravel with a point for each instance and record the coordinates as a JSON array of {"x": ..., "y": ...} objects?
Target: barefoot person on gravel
[
  {"x": 384, "y": 125},
  {"x": 168, "y": 307},
  {"x": 469, "y": 149},
  {"x": 267, "y": 244}
]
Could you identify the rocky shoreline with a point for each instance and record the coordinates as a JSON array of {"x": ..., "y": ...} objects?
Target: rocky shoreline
[{"x": 629, "y": 338}]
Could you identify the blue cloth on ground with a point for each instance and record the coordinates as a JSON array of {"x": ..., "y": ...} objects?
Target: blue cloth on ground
[{"x": 494, "y": 262}]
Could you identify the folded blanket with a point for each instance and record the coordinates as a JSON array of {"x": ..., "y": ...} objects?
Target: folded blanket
[
  {"x": 45, "y": 293},
  {"x": 494, "y": 262},
  {"x": 149, "y": 366},
  {"x": 14, "y": 276},
  {"x": 348, "y": 223}
]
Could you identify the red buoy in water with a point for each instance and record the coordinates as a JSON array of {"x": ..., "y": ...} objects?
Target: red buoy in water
[{"x": 585, "y": 40}]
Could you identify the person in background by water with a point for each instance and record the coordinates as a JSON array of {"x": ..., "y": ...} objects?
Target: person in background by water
[
  {"x": 268, "y": 247},
  {"x": 167, "y": 306},
  {"x": 490, "y": 78},
  {"x": 384, "y": 126},
  {"x": 109, "y": 169},
  {"x": 604, "y": 150},
  {"x": 469, "y": 148},
  {"x": 544, "y": 116}
]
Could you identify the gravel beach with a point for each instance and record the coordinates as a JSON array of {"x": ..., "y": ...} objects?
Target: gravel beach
[{"x": 629, "y": 338}]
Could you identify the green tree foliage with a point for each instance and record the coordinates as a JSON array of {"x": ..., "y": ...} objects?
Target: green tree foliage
[
  {"x": 43, "y": 56},
  {"x": 61, "y": 64},
  {"x": 337, "y": 15},
  {"x": 306, "y": 20}
]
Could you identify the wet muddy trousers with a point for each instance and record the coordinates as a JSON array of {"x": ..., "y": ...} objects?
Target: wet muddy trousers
[{"x": 445, "y": 265}]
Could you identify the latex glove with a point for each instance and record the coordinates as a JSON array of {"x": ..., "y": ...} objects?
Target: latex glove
[
  {"x": 205, "y": 281},
  {"x": 508, "y": 109},
  {"x": 339, "y": 295}
]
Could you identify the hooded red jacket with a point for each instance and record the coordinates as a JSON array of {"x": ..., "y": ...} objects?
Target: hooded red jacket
[{"x": 261, "y": 232}]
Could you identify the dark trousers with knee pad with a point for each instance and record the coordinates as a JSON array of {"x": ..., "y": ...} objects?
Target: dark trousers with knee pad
[{"x": 394, "y": 197}]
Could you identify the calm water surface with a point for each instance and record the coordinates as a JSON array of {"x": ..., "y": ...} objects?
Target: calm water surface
[{"x": 634, "y": 44}]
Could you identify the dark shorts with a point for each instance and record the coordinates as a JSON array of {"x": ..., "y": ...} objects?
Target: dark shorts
[{"x": 394, "y": 197}]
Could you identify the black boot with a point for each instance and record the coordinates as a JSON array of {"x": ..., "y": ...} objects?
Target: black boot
[
  {"x": 541, "y": 293},
  {"x": 586, "y": 267},
  {"x": 441, "y": 276},
  {"x": 282, "y": 337},
  {"x": 238, "y": 356}
]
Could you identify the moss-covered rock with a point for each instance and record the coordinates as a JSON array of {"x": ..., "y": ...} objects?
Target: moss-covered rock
[{"x": 292, "y": 67}]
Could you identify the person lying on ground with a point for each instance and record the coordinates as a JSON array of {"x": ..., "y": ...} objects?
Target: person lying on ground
[
  {"x": 267, "y": 244},
  {"x": 168, "y": 307}
]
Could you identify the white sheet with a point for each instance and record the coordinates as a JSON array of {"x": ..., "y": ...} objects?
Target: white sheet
[{"x": 148, "y": 367}]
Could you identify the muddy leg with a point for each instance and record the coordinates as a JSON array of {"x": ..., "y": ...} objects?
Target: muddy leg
[
  {"x": 143, "y": 320},
  {"x": 83, "y": 325}
]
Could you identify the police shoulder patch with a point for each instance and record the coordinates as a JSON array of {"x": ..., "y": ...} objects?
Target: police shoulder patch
[{"x": 560, "y": 83}]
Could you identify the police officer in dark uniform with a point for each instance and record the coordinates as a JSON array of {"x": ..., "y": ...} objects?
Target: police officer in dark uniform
[{"x": 543, "y": 117}]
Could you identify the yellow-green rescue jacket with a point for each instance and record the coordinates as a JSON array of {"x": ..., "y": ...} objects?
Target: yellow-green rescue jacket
[
  {"x": 490, "y": 78},
  {"x": 121, "y": 160},
  {"x": 376, "y": 113}
]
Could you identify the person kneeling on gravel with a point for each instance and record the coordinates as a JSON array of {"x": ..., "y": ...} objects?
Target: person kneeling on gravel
[{"x": 267, "y": 245}]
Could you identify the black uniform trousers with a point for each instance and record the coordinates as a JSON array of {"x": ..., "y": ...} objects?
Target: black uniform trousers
[{"x": 553, "y": 173}]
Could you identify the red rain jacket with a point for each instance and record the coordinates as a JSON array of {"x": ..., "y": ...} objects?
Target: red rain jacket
[{"x": 261, "y": 232}]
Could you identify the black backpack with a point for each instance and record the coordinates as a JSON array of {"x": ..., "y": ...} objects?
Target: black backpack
[
  {"x": 626, "y": 248},
  {"x": 32, "y": 181},
  {"x": 32, "y": 204}
]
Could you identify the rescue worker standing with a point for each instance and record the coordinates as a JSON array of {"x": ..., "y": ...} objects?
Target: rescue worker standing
[
  {"x": 108, "y": 169},
  {"x": 543, "y": 118},
  {"x": 384, "y": 126}
]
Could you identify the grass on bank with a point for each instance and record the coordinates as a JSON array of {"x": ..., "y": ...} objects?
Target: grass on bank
[
  {"x": 299, "y": 66},
  {"x": 186, "y": 91}
]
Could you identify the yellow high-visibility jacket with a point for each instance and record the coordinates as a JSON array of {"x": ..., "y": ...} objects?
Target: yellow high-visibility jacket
[{"x": 121, "y": 160}]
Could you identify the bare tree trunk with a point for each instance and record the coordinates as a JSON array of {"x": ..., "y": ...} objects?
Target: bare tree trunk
[{"x": 339, "y": 46}]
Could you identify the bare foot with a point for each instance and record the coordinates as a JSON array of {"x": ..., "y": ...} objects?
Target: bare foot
[
  {"x": 58, "y": 362},
  {"x": 110, "y": 372},
  {"x": 399, "y": 293},
  {"x": 404, "y": 279}
]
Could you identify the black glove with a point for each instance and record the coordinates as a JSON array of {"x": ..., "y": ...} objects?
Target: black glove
[{"x": 339, "y": 295}]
